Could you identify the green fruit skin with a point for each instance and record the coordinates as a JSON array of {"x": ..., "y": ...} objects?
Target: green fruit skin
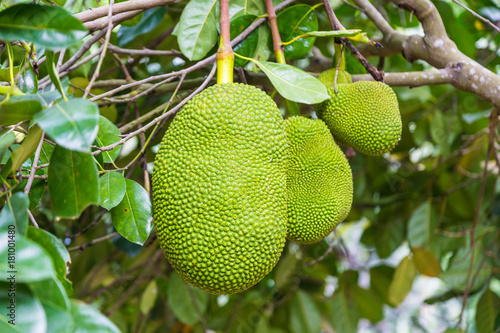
[
  {"x": 219, "y": 188},
  {"x": 319, "y": 181},
  {"x": 363, "y": 115},
  {"x": 328, "y": 77}
]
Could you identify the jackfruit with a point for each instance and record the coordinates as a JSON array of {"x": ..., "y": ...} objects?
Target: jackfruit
[
  {"x": 319, "y": 181},
  {"x": 363, "y": 115},
  {"x": 328, "y": 77},
  {"x": 219, "y": 188}
]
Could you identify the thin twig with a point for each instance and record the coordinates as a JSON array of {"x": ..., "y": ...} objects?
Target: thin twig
[
  {"x": 32, "y": 219},
  {"x": 93, "y": 242},
  {"x": 33, "y": 167},
  {"x": 476, "y": 15},
  {"x": 103, "y": 53}
]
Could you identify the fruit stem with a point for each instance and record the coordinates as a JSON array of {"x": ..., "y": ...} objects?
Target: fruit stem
[
  {"x": 292, "y": 107},
  {"x": 225, "y": 55},
  {"x": 339, "y": 56}
]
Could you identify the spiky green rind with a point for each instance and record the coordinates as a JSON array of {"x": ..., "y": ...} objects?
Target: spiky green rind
[
  {"x": 319, "y": 181},
  {"x": 363, "y": 115},
  {"x": 328, "y": 77},
  {"x": 219, "y": 188}
]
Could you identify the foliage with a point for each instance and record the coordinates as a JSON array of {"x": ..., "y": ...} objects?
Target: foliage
[{"x": 419, "y": 247}]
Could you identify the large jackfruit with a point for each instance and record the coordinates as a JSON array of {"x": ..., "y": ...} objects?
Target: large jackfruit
[
  {"x": 219, "y": 188},
  {"x": 319, "y": 181},
  {"x": 363, "y": 115}
]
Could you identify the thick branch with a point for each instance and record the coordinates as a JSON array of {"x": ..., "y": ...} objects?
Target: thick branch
[
  {"x": 436, "y": 49},
  {"x": 412, "y": 79}
]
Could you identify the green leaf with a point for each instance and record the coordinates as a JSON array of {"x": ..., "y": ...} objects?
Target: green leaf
[
  {"x": 248, "y": 46},
  {"x": 469, "y": 118},
  {"x": 197, "y": 28},
  {"x": 148, "y": 298},
  {"x": 150, "y": 20},
  {"x": 88, "y": 319},
  {"x": 181, "y": 299},
  {"x": 52, "y": 292},
  {"x": 456, "y": 274},
  {"x": 334, "y": 33},
  {"x": 245, "y": 7},
  {"x": 58, "y": 320},
  {"x": 304, "y": 20},
  {"x": 343, "y": 314},
  {"x": 111, "y": 189},
  {"x": 421, "y": 225},
  {"x": 132, "y": 217},
  {"x": 262, "y": 51},
  {"x": 368, "y": 304},
  {"x": 402, "y": 281},
  {"x": 50, "y": 65},
  {"x": 72, "y": 182},
  {"x": 426, "y": 262},
  {"x": 285, "y": 271},
  {"x": 487, "y": 310},
  {"x": 107, "y": 135},
  {"x": 29, "y": 314},
  {"x": 54, "y": 246},
  {"x": 27, "y": 148},
  {"x": 304, "y": 314},
  {"x": 19, "y": 108},
  {"x": 15, "y": 214},
  {"x": 72, "y": 124},
  {"x": 36, "y": 192},
  {"x": 293, "y": 83},
  {"x": 28, "y": 81},
  {"x": 31, "y": 262},
  {"x": 51, "y": 27}
]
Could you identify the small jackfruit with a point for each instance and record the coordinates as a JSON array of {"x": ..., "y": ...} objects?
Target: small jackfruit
[
  {"x": 328, "y": 77},
  {"x": 319, "y": 181},
  {"x": 219, "y": 188},
  {"x": 363, "y": 115}
]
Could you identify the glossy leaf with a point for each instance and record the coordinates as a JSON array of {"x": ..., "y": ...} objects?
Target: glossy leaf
[
  {"x": 422, "y": 224},
  {"x": 402, "y": 281},
  {"x": 248, "y": 46},
  {"x": 55, "y": 247},
  {"x": 51, "y": 291},
  {"x": 72, "y": 124},
  {"x": 27, "y": 148},
  {"x": 426, "y": 262},
  {"x": 262, "y": 51},
  {"x": 197, "y": 28},
  {"x": 304, "y": 20},
  {"x": 51, "y": 27},
  {"x": 181, "y": 302},
  {"x": 15, "y": 213},
  {"x": 72, "y": 182},
  {"x": 304, "y": 314},
  {"x": 487, "y": 310},
  {"x": 50, "y": 65},
  {"x": 111, "y": 189},
  {"x": 88, "y": 319},
  {"x": 150, "y": 20},
  {"x": 107, "y": 135},
  {"x": 19, "y": 108},
  {"x": 32, "y": 263},
  {"x": 245, "y": 7},
  {"x": 29, "y": 314},
  {"x": 343, "y": 314},
  {"x": 58, "y": 320},
  {"x": 132, "y": 217},
  {"x": 28, "y": 81},
  {"x": 293, "y": 83}
]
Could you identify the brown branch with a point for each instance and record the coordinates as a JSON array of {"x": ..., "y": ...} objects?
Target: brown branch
[
  {"x": 411, "y": 79},
  {"x": 93, "y": 242},
  {"x": 102, "y": 23},
  {"x": 336, "y": 25},
  {"x": 122, "y": 7},
  {"x": 436, "y": 49},
  {"x": 143, "y": 52}
]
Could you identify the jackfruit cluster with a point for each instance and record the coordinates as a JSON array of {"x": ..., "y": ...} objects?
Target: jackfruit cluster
[
  {"x": 319, "y": 181},
  {"x": 363, "y": 115},
  {"x": 219, "y": 188}
]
